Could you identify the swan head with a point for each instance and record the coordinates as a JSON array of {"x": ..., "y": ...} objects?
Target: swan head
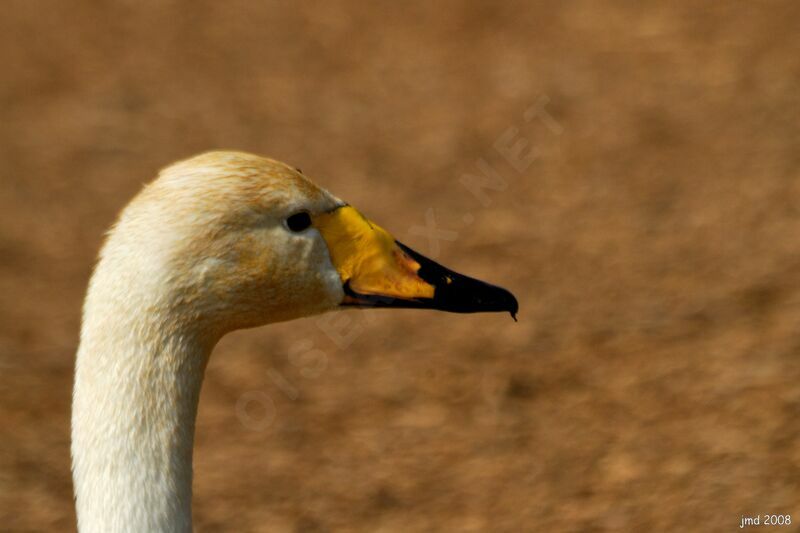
[{"x": 232, "y": 240}]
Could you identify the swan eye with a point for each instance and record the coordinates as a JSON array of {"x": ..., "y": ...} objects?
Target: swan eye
[{"x": 298, "y": 221}]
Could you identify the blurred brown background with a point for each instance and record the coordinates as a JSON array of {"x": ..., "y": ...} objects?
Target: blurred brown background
[{"x": 653, "y": 380}]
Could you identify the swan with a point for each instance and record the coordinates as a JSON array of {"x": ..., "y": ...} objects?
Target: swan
[{"x": 218, "y": 242}]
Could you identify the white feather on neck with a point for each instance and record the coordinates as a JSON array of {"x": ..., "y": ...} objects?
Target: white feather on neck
[{"x": 138, "y": 375}]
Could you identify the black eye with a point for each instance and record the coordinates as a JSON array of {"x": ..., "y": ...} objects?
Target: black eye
[{"x": 298, "y": 221}]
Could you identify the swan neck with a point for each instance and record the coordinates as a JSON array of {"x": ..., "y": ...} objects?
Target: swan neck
[{"x": 137, "y": 385}]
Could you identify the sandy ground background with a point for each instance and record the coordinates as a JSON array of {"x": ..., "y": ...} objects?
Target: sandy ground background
[{"x": 653, "y": 380}]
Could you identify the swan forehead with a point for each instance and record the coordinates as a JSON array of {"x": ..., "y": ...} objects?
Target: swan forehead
[{"x": 237, "y": 184}]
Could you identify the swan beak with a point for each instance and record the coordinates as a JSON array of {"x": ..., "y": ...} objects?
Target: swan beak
[{"x": 378, "y": 271}]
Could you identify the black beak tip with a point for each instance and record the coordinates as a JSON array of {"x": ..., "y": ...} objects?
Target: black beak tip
[
  {"x": 513, "y": 308},
  {"x": 461, "y": 294},
  {"x": 511, "y": 304},
  {"x": 468, "y": 295}
]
